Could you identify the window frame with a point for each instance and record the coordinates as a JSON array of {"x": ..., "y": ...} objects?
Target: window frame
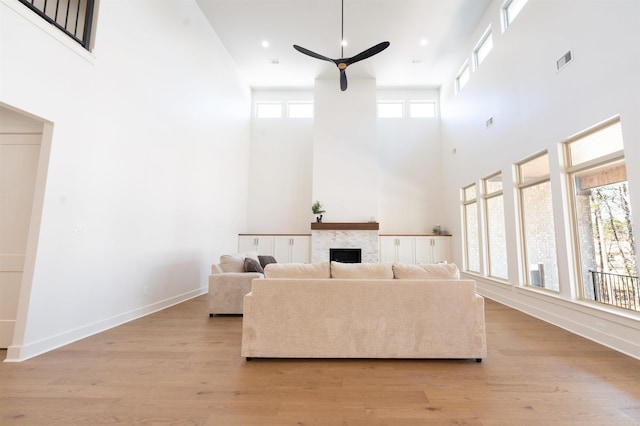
[
  {"x": 504, "y": 12},
  {"x": 391, "y": 102},
  {"x": 464, "y": 70},
  {"x": 571, "y": 171},
  {"x": 269, "y": 103},
  {"x": 487, "y": 35},
  {"x": 486, "y": 197},
  {"x": 467, "y": 201},
  {"x": 521, "y": 185}
]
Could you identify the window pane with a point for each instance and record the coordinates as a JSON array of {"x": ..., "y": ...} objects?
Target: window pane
[
  {"x": 607, "y": 248},
  {"x": 301, "y": 110},
  {"x": 597, "y": 144},
  {"x": 539, "y": 237},
  {"x": 463, "y": 77},
  {"x": 422, "y": 109},
  {"x": 493, "y": 184},
  {"x": 484, "y": 49},
  {"x": 472, "y": 237},
  {"x": 497, "y": 238},
  {"x": 390, "y": 109},
  {"x": 534, "y": 169},
  {"x": 269, "y": 110},
  {"x": 513, "y": 9},
  {"x": 469, "y": 193}
]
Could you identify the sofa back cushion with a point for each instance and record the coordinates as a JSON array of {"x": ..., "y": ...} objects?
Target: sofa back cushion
[
  {"x": 297, "y": 270},
  {"x": 369, "y": 271},
  {"x": 426, "y": 271}
]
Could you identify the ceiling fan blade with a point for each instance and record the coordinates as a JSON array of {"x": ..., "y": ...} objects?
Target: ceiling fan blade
[
  {"x": 367, "y": 53},
  {"x": 343, "y": 80},
  {"x": 312, "y": 54}
]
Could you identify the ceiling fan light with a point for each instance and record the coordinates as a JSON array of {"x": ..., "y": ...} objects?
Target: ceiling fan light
[{"x": 343, "y": 43}]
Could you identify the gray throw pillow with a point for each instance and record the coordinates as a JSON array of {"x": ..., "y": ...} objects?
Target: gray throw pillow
[
  {"x": 252, "y": 265},
  {"x": 265, "y": 260}
]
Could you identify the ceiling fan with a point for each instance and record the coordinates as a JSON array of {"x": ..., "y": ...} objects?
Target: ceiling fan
[{"x": 342, "y": 63}]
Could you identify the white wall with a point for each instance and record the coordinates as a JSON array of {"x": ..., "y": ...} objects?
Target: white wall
[
  {"x": 345, "y": 172},
  {"x": 409, "y": 170},
  {"x": 390, "y": 167},
  {"x": 281, "y": 168},
  {"x": 534, "y": 109},
  {"x": 148, "y": 167}
]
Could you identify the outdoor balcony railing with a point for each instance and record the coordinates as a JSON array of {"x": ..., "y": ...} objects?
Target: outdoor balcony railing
[
  {"x": 617, "y": 290},
  {"x": 73, "y": 17}
]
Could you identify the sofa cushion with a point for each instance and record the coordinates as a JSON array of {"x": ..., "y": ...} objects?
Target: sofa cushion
[
  {"x": 265, "y": 260},
  {"x": 297, "y": 270},
  {"x": 252, "y": 265},
  {"x": 232, "y": 262},
  {"x": 426, "y": 271},
  {"x": 361, "y": 270}
]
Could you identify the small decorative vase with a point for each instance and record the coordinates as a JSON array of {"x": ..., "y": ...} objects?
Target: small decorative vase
[{"x": 319, "y": 218}]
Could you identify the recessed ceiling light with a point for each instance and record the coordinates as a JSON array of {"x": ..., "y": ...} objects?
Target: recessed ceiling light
[
  {"x": 424, "y": 42},
  {"x": 265, "y": 43},
  {"x": 344, "y": 43}
]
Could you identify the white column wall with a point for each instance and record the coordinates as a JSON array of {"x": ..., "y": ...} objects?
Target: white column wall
[{"x": 147, "y": 175}]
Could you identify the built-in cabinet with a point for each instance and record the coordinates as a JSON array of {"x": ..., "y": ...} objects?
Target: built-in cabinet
[
  {"x": 413, "y": 249},
  {"x": 285, "y": 248}
]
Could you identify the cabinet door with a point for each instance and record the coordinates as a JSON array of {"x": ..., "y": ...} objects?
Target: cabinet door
[
  {"x": 387, "y": 249},
  {"x": 265, "y": 245},
  {"x": 424, "y": 250},
  {"x": 300, "y": 249},
  {"x": 246, "y": 243},
  {"x": 282, "y": 249},
  {"x": 262, "y": 244},
  {"x": 441, "y": 249},
  {"x": 406, "y": 250}
]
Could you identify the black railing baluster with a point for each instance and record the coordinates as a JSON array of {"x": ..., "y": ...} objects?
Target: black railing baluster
[
  {"x": 52, "y": 18},
  {"x": 616, "y": 290}
]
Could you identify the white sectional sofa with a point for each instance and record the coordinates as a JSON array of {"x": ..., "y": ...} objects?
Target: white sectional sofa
[{"x": 363, "y": 311}]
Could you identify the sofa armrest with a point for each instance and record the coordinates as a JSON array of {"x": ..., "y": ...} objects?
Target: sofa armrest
[{"x": 226, "y": 291}]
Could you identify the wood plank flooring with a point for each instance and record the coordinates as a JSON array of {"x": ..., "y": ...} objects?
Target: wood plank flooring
[{"x": 180, "y": 367}]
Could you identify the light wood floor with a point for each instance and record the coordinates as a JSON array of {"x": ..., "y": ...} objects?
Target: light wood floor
[{"x": 180, "y": 367}]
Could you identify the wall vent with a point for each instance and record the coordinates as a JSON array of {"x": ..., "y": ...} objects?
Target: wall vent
[{"x": 564, "y": 60}]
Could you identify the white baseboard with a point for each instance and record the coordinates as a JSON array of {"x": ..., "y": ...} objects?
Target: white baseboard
[{"x": 30, "y": 350}]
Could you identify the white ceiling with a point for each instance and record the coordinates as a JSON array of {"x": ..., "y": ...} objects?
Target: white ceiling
[{"x": 242, "y": 25}]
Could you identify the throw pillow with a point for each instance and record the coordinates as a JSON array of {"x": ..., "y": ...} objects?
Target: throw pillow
[
  {"x": 370, "y": 271},
  {"x": 265, "y": 260},
  {"x": 252, "y": 265},
  {"x": 232, "y": 262},
  {"x": 297, "y": 270}
]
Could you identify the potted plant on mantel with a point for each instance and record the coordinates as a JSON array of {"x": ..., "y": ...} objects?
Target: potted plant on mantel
[{"x": 316, "y": 208}]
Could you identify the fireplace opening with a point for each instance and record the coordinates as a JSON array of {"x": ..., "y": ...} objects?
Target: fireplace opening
[{"x": 345, "y": 255}]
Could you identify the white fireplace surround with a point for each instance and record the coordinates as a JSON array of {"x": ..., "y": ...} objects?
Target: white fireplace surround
[{"x": 323, "y": 240}]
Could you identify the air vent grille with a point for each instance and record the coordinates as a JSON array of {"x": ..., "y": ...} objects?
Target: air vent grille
[{"x": 564, "y": 60}]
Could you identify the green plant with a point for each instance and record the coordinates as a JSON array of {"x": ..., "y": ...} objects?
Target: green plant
[{"x": 316, "y": 208}]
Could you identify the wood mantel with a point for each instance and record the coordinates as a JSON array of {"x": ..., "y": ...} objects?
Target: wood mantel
[{"x": 344, "y": 226}]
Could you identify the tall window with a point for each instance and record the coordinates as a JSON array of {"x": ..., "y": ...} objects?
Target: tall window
[
  {"x": 471, "y": 236},
  {"x": 496, "y": 237},
  {"x": 539, "y": 239},
  {"x": 602, "y": 217},
  {"x": 483, "y": 48}
]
